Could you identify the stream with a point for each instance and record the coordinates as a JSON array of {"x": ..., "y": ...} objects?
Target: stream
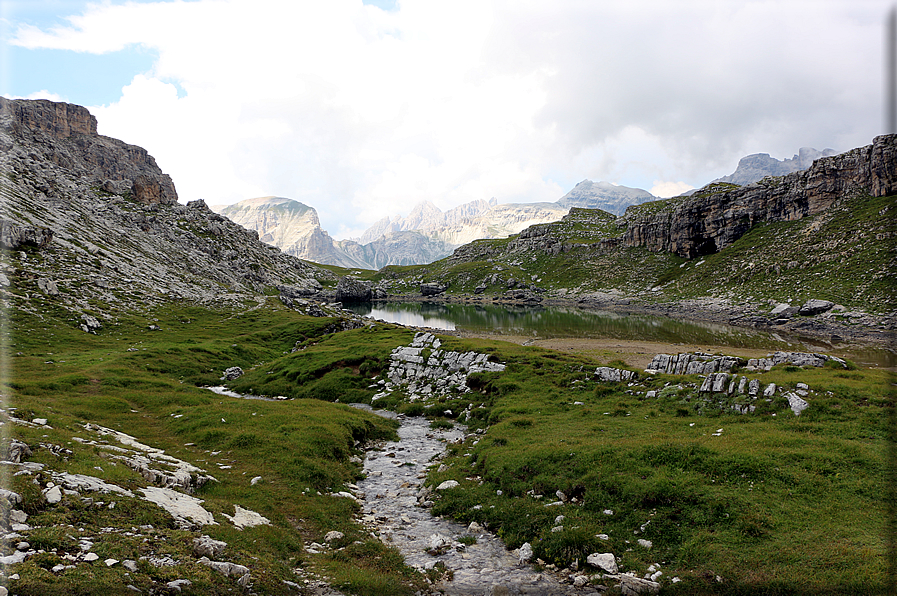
[{"x": 395, "y": 472}]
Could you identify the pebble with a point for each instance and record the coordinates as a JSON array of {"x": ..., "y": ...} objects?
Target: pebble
[{"x": 486, "y": 566}]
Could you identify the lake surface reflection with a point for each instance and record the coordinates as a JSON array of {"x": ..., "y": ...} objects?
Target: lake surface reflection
[{"x": 548, "y": 322}]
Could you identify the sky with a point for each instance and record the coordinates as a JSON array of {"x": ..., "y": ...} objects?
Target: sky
[{"x": 362, "y": 109}]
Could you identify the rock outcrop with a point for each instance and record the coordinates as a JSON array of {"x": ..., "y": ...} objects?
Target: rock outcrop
[
  {"x": 422, "y": 370},
  {"x": 109, "y": 229},
  {"x": 66, "y": 135},
  {"x": 719, "y": 214},
  {"x": 351, "y": 289}
]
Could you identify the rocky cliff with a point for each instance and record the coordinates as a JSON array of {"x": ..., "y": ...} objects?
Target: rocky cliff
[
  {"x": 720, "y": 213},
  {"x": 66, "y": 135},
  {"x": 296, "y": 230},
  {"x": 94, "y": 225}
]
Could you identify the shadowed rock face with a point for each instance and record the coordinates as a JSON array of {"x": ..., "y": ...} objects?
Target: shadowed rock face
[
  {"x": 66, "y": 135},
  {"x": 714, "y": 218}
]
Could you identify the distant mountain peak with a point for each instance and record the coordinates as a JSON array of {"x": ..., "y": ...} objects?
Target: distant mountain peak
[
  {"x": 755, "y": 167},
  {"x": 603, "y": 195}
]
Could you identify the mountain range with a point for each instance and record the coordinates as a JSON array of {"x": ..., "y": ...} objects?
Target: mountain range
[{"x": 428, "y": 234}]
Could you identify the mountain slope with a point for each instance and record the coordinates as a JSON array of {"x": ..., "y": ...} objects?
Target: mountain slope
[
  {"x": 825, "y": 233},
  {"x": 114, "y": 235}
]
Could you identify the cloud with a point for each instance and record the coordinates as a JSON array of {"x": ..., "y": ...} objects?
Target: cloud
[
  {"x": 42, "y": 94},
  {"x": 666, "y": 190},
  {"x": 362, "y": 112}
]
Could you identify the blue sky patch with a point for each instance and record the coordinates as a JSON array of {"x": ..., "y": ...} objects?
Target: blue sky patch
[{"x": 79, "y": 77}]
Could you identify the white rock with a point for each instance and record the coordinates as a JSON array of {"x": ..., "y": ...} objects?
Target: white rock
[
  {"x": 333, "y": 536},
  {"x": 608, "y": 512},
  {"x": 645, "y": 543},
  {"x": 244, "y": 518},
  {"x": 447, "y": 485},
  {"x": 182, "y": 507},
  {"x": 475, "y": 528},
  {"x": 525, "y": 553},
  {"x": 16, "y": 557},
  {"x": 41, "y": 421},
  {"x": 110, "y": 562},
  {"x": 53, "y": 495},
  {"x": 255, "y": 481},
  {"x": 91, "y": 557},
  {"x": 580, "y": 580},
  {"x": 796, "y": 403},
  {"x": 636, "y": 586},
  {"x": 177, "y": 584},
  {"x": 605, "y": 561}
]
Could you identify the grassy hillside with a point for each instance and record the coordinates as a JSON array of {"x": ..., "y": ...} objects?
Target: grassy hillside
[
  {"x": 772, "y": 503},
  {"x": 844, "y": 254},
  {"x": 144, "y": 382}
]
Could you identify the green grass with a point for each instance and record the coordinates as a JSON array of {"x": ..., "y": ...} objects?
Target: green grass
[
  {"x": 845, "y": 254},
  {"x": 302, "y": 449},
  {"x": 770, "y": 495},
  {"x": 775, "y": 504}
]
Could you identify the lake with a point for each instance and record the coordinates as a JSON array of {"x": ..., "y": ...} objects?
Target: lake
[{"x": 548, "y": 322}]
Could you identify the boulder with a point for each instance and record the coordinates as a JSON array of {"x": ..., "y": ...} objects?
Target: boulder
[
  {"x": 232, "y": 373},
  {"x": 525, "y": 553},
  {"x": 205, "y": 546},
  {"x": 16, "y": 237},
  {"x": 796, "y": 403},
  {"x": 90, "y": 324},
  {"x": 333, "y": 536},
  {"x": 605, "y": 561},
  {"x": 17, "y": 451},
  {"x": 614, "y": 375},
  {"x": 447, "y": 485},
  {"x": 815, "y": 307},
  {"x": 225, "y": 567},
  {"x": 432, "y": 289},
  {"x": 351, "y": 289},
  {"x": 631, "y": 585}
]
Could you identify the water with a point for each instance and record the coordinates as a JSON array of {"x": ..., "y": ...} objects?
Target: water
[
  {"x": 540, "y": 322},
  {"x": 394, "y": 475}
]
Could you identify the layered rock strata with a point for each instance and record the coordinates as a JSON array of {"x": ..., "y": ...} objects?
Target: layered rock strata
[
  {"x": 720, "y": 214},
  {"x": 423, "y": 370}
]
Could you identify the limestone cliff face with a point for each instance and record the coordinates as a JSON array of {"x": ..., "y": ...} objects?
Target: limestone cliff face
[
  {"x": 93, "y": 224},
  {"x": 719, "y": 214},
  {"x": 66, "y": 135}
]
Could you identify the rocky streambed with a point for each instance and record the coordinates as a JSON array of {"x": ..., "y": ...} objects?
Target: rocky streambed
[{"x": 473, "y": 560}]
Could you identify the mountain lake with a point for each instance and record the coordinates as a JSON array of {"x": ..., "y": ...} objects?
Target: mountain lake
[{"x": 554, "y": 322}]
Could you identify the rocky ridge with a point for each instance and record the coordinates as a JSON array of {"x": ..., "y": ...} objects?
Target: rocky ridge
[
  {"x": 93, "y": 224},
  {"x": 719, "y": 214}
]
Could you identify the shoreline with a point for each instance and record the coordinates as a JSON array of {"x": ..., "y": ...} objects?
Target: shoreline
[{"x": 821, "y": 329}]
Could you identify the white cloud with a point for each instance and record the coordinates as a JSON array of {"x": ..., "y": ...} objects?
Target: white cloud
[
  {"x": 362, "y": 113},
  {"x": 666, "y": 190},
  {"x": 42, "y": 94}
]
